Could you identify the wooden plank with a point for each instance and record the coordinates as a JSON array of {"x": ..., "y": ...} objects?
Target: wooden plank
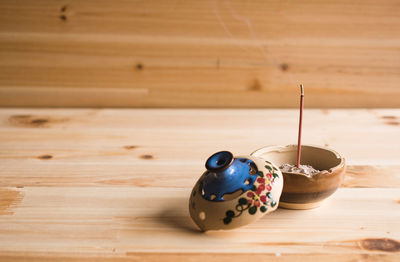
[
  {"x": 95, "y": 174},
  {"x": 218, "y": 257},
  {"x": 124, "y": 221},
  {"x": 372, "y": 176},
  {"x": 199, "y": 53},
  {"x": 142, "y": 146}
]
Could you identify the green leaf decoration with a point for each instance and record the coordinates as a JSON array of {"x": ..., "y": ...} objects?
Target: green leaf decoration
[
  {"x": 252, "y": 210},
  {"x": 263, "y": 209},
  {"x": 260, "y": 174},
  {"x": 275, "y": 175},
  {"x": 268, "y": 194},
  {"x": 275, "y": 168},
  {"x": 253, "y": 188},
  {"x": 273, "y": 203},
  {"x": 268, "y": 167},
  {"x": 227, "y": 220},
  {"x": 230, "y": 213},
  {"x": 242, "y": 201}
]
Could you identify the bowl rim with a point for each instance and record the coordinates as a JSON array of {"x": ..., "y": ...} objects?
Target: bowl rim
[{"x": 281, "y": 148}]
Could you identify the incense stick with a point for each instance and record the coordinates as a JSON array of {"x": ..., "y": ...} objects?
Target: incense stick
[{"x": 300, "y": 126}]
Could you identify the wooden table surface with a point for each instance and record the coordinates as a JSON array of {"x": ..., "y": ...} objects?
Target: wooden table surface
[
  {"x": 209, "y": 53},
  {"x": 113, "y": 185}
]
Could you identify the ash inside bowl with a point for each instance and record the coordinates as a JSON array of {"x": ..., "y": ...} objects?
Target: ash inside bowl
[{"x": 303, "y": 169}]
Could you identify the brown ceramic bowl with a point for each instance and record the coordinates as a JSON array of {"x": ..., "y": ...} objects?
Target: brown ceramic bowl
[{"x": 299, "y": 190}]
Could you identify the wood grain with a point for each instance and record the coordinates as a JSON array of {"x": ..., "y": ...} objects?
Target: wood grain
[
  {"x": 113, "y": 185},
  {"x": 219, "y": 257},
  {"x": 122, "y": 221},
  {"x": 199, "y": 53}
]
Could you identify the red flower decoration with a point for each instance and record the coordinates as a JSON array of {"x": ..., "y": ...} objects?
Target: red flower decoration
[
  {"x": 256, "y": 197},
  {"x": 260, "y": 189},
  {"x": 263, "y": 198},
  {"x": 261, "y": 180}
]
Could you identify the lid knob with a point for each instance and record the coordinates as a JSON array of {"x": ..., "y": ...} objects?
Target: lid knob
[{"x": 219, "y": 161}]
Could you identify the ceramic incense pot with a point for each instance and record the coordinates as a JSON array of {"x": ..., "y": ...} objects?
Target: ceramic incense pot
[
  {"x": 234, "y": 191},
  {"x": 299, "y": 190}
]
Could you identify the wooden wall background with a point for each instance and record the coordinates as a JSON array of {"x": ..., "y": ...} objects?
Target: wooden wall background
[{"x": 176, "y": 53}]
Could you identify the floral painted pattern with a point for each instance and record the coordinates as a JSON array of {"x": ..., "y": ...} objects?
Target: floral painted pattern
[{"x": 258, "y": 198}]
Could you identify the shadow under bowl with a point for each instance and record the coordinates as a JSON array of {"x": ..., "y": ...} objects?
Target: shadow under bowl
[{"x": 299, "y": 190}]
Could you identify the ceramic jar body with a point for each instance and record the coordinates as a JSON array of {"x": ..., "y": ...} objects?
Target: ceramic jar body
[{"x": 258, "y": 192}]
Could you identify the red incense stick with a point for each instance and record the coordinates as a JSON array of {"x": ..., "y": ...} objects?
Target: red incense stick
[{"x": 300, "y": 126}]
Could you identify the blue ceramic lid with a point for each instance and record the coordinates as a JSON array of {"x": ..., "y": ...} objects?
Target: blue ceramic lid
[{"x": 226, "y": 175}]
